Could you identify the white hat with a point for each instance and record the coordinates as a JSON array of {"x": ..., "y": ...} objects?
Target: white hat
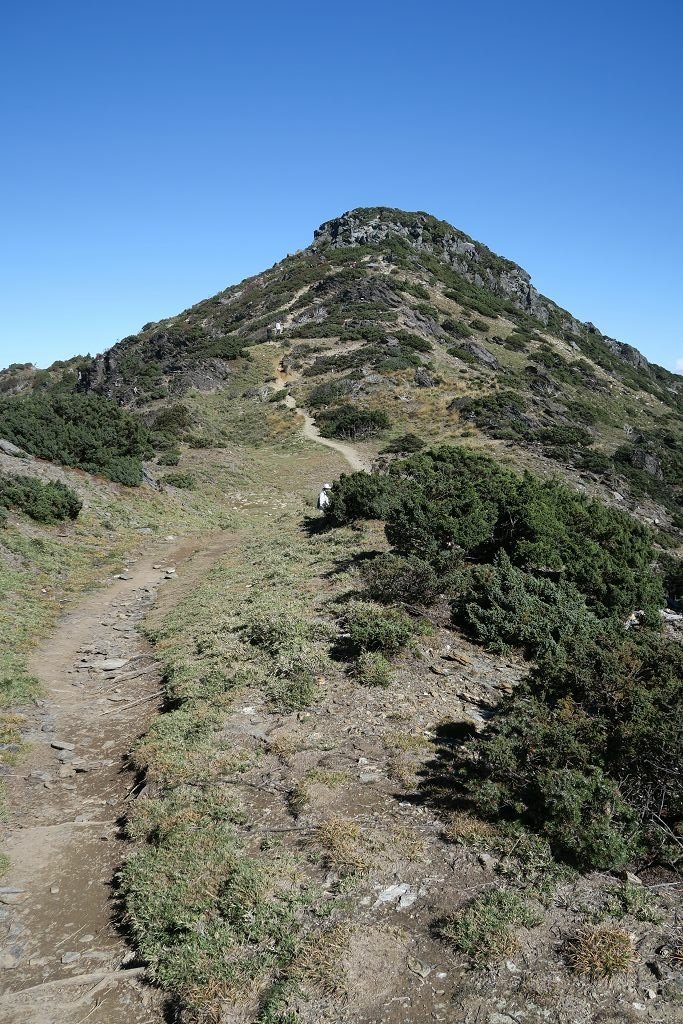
[{"x": 327, "y": 487}]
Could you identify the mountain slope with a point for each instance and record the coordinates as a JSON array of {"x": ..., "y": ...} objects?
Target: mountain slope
[
  {"x": 422, "y": 734},
  {"x": 401, "y": 312}
]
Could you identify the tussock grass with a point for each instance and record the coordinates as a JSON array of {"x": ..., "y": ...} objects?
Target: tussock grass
[{"x": 602, "y": 951}]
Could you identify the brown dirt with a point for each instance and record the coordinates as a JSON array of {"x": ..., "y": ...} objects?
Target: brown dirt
[{"x": 63, "y": 832}]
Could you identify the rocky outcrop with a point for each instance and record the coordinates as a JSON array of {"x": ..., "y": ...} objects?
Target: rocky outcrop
[{"x": 474, "y": 261}]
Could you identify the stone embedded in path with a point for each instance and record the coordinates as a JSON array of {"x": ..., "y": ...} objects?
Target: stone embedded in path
[
  {"x": 11, "y": 897},
  {"x": 71, "y": 957},
  {"x": 111, "y": 664},
  {"x": 62, "y": 745},
  {"x": 10, "y": 958}
]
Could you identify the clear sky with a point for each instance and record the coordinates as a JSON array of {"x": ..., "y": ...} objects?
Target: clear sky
[{"x": 155, "y": 152}]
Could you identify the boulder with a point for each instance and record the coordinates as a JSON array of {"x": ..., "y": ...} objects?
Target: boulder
[
  {"x": 423, "y": 379},
  {"x": 481, "y": 354}
]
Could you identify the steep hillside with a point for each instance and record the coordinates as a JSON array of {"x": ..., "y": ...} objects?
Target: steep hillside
[{"x": 402, "y": 313}]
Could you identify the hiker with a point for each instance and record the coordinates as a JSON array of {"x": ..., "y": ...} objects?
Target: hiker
[
  {"x": 324, "y": 498},
  {"x": 278, "y": 327}
]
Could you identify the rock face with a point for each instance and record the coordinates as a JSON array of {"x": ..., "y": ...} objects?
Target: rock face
[
  {"x": 474, "y": 261},
  {"x": 641, "y": 458}
]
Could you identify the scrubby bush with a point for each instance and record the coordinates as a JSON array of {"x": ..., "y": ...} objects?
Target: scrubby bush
[
  {"x": 457, "y": 328},
  {"x": 484, "y": 929},
  {"x": 325, "y": 394},
  {"x": 185, "y": 481},
  {"x": 587, "y": 750},
  {"x": 50, "y": 502},
  {"x": 169, "y": 458},
  {"x": 374, "y": 628},
  {"x": 84, "y": 430},
  {"x": 390, "y": 578},
  {"x": 564, "y": 436},
  {"x": 404, "y": 444},
  {"x": 360, "y": 496},
  {"x": 502, "y": 606},
  {"x": 346, "y": 421}
]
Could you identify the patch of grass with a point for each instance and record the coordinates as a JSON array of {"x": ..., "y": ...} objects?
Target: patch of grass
[
  {"x": 341, "y": 839},
  {"x": 373, "y": 669},
  {"x": 374, "y": 628},
  {"x": 483, "y": 930},
  {"x": 602, "y": 951},
  {"x": 628, "y": 900}
]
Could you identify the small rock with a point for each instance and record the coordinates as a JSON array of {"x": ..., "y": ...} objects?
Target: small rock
[
  {"x": 11, "y": 958},
  {"x": 417, "y": 967},
  {"x": 123, "y": 576},
  {"x": 112, "y": 664},
  {"x": 487, "y": 861},
  {"x": 71, "y": 957},
  {"x": 62, "y": 745},
  {"x": 54, "y": 890},
  {"x": 86, "y": 938},
  {"x": 628, "y": 876},
  {"x": 12, "y": 897}
]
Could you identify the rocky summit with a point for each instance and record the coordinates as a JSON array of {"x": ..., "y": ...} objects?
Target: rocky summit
[{"x": 341, "y": 663}]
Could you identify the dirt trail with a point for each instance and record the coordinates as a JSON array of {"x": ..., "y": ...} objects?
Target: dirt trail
[
  {"x": 309, "y": 430},
  {"x": 60, "y": 954}
]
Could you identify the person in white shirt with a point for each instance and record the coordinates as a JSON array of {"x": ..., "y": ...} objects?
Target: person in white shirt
[{"x": 324, "y": 498}]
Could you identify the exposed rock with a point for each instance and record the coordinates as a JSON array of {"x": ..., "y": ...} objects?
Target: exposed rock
[
  {"x": 62, "y": 745},
  {"x": 481, "y": 354},
  {"x": 641, "y": 458},
  {"x": 424, "y": 379},
  {"x": 11, "y": 449}
]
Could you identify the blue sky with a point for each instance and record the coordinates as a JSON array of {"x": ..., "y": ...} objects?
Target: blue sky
[{"x": 154, "y": 153}]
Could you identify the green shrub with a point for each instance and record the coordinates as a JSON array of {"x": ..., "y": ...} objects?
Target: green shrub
[
  {"x": 374, "y": 628},
  {"x": 413, "y": 341},
  {"x": 345, "y": 421},
  {"x": 587, "y": 750},
  {"x": 391, "y": 578},
  {"x": 50, "y": 502},
  {"x": 169, "y": 458},
  {"x": 360, "y": 496},
  {"x": 404, "y": 444},
  {"x": 564, "y": 436},
  {"x": 325, "y": 394},
  {"x": 457, "y": 328},
  {"x": 478, "y": 325},
  {"x": 373, "y": 669},
  {"x": 448, "y": 501},
  {"x": 84, "y": 430},
  {"x": 185, "y": 481},
  {"x": 502, "y": 606}
]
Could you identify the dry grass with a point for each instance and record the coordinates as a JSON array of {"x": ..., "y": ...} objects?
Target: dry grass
[
  {"x": 340, "y": 839},
  {"x": 463, "y": 829},
  {"x": 602, "y": 951},
  {"x": 321, "y": 961}
]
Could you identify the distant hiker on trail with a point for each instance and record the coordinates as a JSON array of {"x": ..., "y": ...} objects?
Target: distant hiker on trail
[
  {"x": 324, "y": 498},
  {"x": 278, "y": 327}
]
